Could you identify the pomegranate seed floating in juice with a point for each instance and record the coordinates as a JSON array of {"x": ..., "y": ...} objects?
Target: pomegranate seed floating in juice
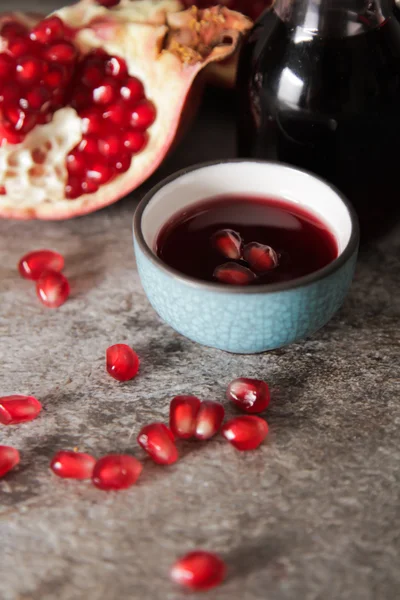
[
  {"x": 245, "y": 433},
  {"x": 281, "y": 241},
  {"x": 18, "y": 409},
  {"x": 9, "y": 458},
  {"x": 72, "y": 465},
  {"x": 159, "y": 443},
  {"x": 199, "y": 571},
  {"x": 116, "y": 472},
  {"x": 250, "y": 395},
  {"x": 122, "y": 362},
  {"x": 34, "y": 264}
]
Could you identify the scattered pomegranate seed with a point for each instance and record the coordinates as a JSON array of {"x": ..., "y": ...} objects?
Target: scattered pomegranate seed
[
  {"x": 228, "y": 243},
  {"x": 18, "y": 409},
  {"x": 143, "y": 115},
  {"x": 234, "y": 274},
  {"x": 199, "y": 570},
  {"x": 73, "y": 465},
  {"x": 183, "y": 415},
  {"x": 250, "y": 395},
  {"x": 246, "y": 432},
  {"x": 116, "y": 472},
  {"x": 53, "y": 289},
  {"x": 122, "y": 362},
  {"x": 260, "y": 258},
  {"x": 34, "y": 264},
  {"x": 9, "y": 458},
  {"x": 209, "y": 419},
  {"x": 159, "y": 443}
]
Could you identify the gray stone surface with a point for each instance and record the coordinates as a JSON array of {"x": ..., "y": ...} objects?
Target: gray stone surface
[{"x": 313, "y": 514}]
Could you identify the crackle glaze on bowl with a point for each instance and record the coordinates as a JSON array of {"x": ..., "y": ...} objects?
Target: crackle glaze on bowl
[{"x": 255, "y": 318}]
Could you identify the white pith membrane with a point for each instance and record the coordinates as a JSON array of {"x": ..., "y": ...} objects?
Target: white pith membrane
[{"x": 135, "y": 30}]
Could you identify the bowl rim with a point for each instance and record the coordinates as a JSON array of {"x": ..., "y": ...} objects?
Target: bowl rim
[{"x": 267, "y": 288}]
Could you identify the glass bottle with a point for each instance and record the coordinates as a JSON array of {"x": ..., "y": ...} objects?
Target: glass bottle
[{"x": 319, "y": 88}]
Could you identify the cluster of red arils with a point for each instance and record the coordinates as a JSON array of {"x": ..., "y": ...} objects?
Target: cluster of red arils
[
  {"x": 246, "y": 262},
  {"x": 189, "y": 418}
]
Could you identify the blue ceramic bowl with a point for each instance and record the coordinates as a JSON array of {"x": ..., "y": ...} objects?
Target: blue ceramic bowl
[{"x": 255, "y": 318}]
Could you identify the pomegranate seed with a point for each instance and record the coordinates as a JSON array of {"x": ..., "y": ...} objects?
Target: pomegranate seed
[
  {"x": 88, "y": 145},
  {"x": 89, "y": 187},
  {"x": 108, "y": 3},
  {"x": 20, "y": 46},
  {"x": 81, "y": 99},
  {"x": 122, "y": 362},
  {"x": 123, "y": 163},
  {"x": 63, "y": 52},
  {"x": 18, "y": 409},
  {"x": 228, "y": 243},
  {"x": 260, "y": 258},
  {"x": 143, "y": 115},
  {"x": 199, "y": 570},
  {"x": 3, "y": 190},
  {"x": 116, "y": 472},
  {"x": 73, "y": 465},
  {"x": 9, "y": 458},
  {"x": 105, "y": 93},
  {"x": 183, "y": 413},
  {"x": 116, "y": 67},
  {"x": 93, "y": 73},
  {"x": 48, "y": 30},
  {"x": 53, "y": 289},
  {"x": 73, "y": 189},
  {"x": 246, "y": 432},
  {"x": 9, "y": 137},
  {"x": 209, "y": 419},
  {"x": 29, "y": 70},
  {"x": 7, "y": 66},
  {"x": 116, "y": 114},
  {"x": 76, "y": 162},
  {"x": 134, "y": 141},
  {"x": 55, "y": 76},
  {"x": 234, "y": 274},
  {"x": 34, "y": 264},
  {"x": 91, "y": 121},
  {"x": 100, "y": 173},
  {"x": 159, "y": 443},
  {"x": 20, "y": 120},
  {"x": 250, "y": 395},
  {"x": 110, "y": 145},
  {"x": 13, "y": 29},
  {"x": 10, "y": 94},
  {"x": 132, "y": 90},
  {"x": 36, "y": 98}
]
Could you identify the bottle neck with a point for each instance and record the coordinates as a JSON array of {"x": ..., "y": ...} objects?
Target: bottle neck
[{"x": 333, "y": 17}]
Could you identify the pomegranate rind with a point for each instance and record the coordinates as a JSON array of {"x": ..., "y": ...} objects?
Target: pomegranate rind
[{"x": 166, "y": 50}]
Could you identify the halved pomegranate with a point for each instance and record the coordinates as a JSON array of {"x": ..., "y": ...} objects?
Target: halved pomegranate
[{"x": 92, "y": 98}]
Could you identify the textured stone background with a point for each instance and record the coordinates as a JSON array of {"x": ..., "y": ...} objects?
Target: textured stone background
[{"x": 314, "y": 514}]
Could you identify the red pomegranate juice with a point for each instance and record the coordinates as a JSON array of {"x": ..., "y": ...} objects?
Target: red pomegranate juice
[{"x": 246, "y": 241}]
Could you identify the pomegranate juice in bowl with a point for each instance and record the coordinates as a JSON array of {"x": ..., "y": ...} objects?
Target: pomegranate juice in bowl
[{"x": 245, "y": 256}]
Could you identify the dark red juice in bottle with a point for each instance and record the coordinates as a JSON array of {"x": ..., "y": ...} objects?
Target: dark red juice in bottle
[{"x": 319, "y": 88}]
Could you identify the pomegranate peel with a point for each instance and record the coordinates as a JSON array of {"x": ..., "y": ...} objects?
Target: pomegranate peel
[{"x": 163, "y": 49}]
